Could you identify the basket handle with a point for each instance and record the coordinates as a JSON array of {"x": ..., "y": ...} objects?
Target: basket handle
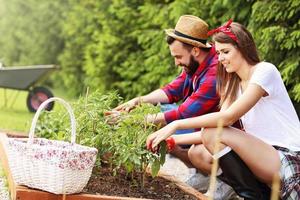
[{"x": 42, "y": 106}]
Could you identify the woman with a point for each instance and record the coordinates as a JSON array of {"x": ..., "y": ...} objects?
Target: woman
[{"x": 254, "y": 92}]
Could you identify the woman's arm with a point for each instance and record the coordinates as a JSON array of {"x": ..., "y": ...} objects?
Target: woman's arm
[
  {"x": 190, "y": 138},
  {"x": 234, "y": 112}
]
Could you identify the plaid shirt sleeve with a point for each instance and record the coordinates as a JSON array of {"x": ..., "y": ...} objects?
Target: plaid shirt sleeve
[
  {"x": 174, "y": 90},
  {"x": 202, "y": 101}
]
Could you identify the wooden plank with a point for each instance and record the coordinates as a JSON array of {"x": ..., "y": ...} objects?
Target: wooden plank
[
  {"x": 4, "y": 162},
  {"x": 16, "y": 134},
  {"x": 24, "y": 193}
]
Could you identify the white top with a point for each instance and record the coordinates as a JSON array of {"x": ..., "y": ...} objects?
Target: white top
[{"x": 273, "y": 118}]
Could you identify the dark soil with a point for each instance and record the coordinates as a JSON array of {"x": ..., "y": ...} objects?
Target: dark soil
[{"x": 103, "y": 182}]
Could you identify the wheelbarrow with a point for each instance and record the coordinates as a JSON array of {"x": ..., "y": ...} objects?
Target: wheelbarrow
[{"x": 26, "y": 78}]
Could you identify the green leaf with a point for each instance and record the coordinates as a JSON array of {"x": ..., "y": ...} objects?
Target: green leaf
[
  {"x": 155, "y": 167},
  {"x": 162, "y": 152}
]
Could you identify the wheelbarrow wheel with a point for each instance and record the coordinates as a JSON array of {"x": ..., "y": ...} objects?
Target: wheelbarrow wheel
[{"x": 37, "y": 96}]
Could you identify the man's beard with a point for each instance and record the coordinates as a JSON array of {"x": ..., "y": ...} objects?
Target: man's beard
[{"x": 192, "y": 67}]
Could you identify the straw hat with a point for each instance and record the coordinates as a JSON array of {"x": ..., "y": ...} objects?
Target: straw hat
[{"x": 191, "y": 30}]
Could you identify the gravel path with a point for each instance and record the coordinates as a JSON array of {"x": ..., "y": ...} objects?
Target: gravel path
[{"x": 4, "y": 195}]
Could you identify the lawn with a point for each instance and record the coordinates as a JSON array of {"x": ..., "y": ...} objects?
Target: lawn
[{"x": 14, "y": 115}]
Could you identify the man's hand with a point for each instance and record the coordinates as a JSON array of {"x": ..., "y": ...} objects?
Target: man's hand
[
  {"x": 158, "y": 119},
  {"x": 114, "y": 116},
  {"x": 129, "y": 105}
]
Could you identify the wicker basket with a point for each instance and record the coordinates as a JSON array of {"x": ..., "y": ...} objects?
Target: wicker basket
[{"x": 54, "y": 166}]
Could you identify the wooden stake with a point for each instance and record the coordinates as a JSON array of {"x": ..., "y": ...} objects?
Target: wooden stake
[
  {"x": 275, "y": 187},
  {"x": 215, "y": 165},
  {"x": 5, "y": 166}
]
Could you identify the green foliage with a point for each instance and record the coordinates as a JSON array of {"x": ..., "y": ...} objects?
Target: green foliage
[
  {"x": 161, "y": 158},
  {"x": 124, "y": 142},
  {"x": 30, "y": 31},
  {"x": 120, "y": 45},
  {"x": 80, "y": 30},
  {"x": 221, "y": 11},
  {"x": 276, "y": 28},
  {"x": 89, "y": 118}
]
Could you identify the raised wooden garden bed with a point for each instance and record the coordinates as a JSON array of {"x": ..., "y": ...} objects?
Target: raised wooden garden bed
[{"x": 24, "y": 193}]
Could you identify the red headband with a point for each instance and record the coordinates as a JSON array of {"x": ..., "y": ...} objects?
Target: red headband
[{"x": 224, "y": 29}]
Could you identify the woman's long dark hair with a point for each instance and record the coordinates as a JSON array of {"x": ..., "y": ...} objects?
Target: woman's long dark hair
[{"x": 228, "y": 83}]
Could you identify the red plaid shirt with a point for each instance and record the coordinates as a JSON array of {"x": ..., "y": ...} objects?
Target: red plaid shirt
[{"x": 198, "y": 92}]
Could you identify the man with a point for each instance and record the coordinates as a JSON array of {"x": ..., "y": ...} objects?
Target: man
[{"x": 195, "y": 87}]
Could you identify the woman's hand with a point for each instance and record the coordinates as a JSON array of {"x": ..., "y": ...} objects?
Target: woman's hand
[{"x": 155, "y": 138}]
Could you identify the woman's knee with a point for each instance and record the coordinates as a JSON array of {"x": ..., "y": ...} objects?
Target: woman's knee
[
  {"x": 198, "y": 152},
  {"x": 208, "y": 138},
  {"x": 200, "y": 158}
]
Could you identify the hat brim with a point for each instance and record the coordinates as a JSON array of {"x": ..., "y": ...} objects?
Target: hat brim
[{"x": 171, "y": 33}]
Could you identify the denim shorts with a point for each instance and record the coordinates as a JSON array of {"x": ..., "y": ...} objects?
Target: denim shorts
[{"x": 167, "y": 107}]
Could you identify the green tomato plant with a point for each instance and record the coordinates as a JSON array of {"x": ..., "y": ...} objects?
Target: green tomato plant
[{"x": 124, "y": 142}]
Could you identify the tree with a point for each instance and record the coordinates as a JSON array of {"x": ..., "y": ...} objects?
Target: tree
[
  {"x": 276, "y": 28},
  {"x": 30, "y": 31},
  {"x": 80, "y": 30},
  {"x": 120, "y": 45}
]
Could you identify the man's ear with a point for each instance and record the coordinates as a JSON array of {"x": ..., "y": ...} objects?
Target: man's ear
[{"x": 196, "y": 51}]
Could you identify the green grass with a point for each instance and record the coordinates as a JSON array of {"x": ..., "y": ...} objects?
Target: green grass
[{"x": 14, "y": 116}]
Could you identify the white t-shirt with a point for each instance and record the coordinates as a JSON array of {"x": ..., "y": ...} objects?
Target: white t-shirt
[{"x": 273, "y": 118}]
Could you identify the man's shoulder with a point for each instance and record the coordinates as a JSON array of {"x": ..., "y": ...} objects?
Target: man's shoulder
[
  {"x": 212, "y": 63},
  {"x": 213, "y": 57},
  {"x": 212, "y": 68},
  {"x": 209, "y": 76}
]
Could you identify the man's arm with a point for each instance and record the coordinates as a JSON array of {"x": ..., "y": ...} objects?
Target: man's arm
[
  {"x": 170, "y": 93},
  {"x": 157, "y": 96}
]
